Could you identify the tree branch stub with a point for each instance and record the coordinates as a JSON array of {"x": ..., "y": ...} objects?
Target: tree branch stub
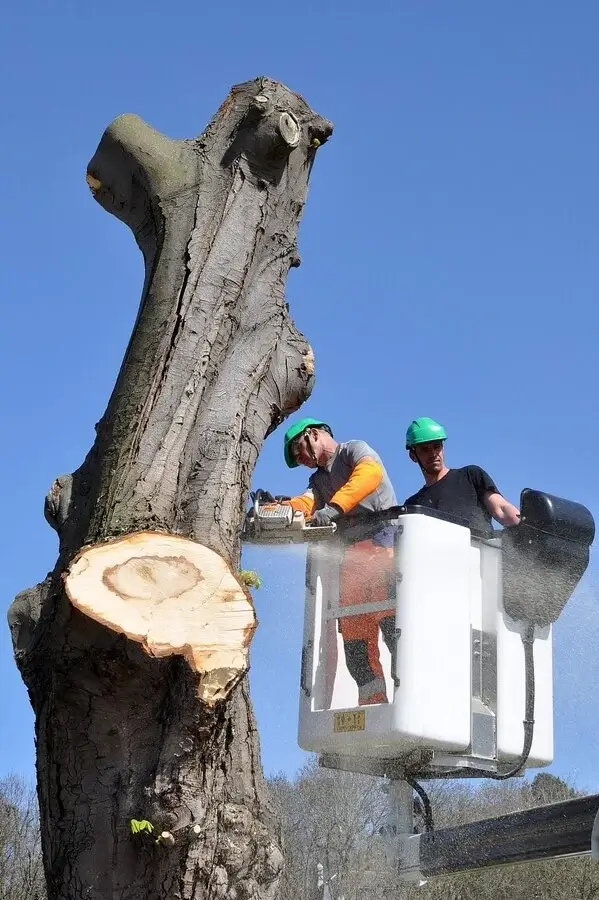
[{"x": 173, "y": 596}]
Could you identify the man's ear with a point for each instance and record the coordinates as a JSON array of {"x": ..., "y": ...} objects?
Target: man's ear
[{"x": 413, "y": 456}]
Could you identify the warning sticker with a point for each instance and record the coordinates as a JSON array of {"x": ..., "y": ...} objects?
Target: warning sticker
[{"x": 349, "y": 721}]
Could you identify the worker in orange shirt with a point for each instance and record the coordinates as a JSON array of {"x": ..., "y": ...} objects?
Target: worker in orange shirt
[{"x": 349, "y": 478}]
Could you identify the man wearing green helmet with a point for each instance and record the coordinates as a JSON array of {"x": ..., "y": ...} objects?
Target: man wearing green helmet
[
  {"x": 468, "y": 493},
  {"x": 350, "y": 478}
]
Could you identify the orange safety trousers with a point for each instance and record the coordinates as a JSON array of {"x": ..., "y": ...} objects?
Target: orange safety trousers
[{"x": 366, "y": 575}]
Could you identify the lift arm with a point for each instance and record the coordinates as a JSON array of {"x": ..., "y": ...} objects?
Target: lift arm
[{"x": 545, "y": 832}]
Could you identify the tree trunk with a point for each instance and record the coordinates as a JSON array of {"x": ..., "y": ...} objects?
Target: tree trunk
[{"x": 133, "y": 650}]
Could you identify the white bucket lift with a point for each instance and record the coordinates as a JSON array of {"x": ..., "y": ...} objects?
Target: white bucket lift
[
  {"x": 469, "y": 682},
  {"x": 469, "y": 686},
  {"x": 458, "y": 689}
]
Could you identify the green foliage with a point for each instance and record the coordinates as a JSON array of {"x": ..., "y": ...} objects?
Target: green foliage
[
  {"x": 250, "y": 578},
  {"x": 140, "y": 825}
]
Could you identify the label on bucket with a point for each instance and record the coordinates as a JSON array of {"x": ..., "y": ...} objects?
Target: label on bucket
[{"x": 349, "y": 721}]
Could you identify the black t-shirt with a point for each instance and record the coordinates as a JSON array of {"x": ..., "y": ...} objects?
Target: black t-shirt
[{"x": 460, "y": 493}]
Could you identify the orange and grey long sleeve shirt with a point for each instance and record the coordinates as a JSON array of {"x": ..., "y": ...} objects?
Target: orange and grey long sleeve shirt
[{"x": 356, "y": 481}]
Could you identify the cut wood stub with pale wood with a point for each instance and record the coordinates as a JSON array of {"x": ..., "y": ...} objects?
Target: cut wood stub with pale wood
[
  {"x": 133, "y": 649},
  {"x": 171, "y": 595}
]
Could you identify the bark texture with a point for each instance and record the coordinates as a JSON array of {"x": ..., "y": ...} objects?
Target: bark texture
[{"x": 213, "y": 365}]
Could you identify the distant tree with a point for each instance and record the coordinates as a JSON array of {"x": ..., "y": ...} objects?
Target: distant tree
[
  {"x": 21, "y": 870},
  {"x": 546, "y": 788},
  {"x": 328, "y": 820}
]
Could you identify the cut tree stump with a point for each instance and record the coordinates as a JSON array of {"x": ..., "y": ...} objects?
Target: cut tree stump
[
  {"x": 172, "y": 595},
  {"x": 134, "y": 648}
]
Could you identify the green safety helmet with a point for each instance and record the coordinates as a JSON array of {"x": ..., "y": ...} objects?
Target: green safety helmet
[
  {"x": 294, "y": 431},
  {"x": 422, "y": 430}
]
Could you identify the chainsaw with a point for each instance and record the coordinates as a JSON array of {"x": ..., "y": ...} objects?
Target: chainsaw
[{"x": 269, "y": 522}]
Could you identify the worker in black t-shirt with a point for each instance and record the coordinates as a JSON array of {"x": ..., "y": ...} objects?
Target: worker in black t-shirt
[{"x": 468, "y": 493}]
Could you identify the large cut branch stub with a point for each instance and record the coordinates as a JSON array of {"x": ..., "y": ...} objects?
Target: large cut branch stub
[{"x": 173, "y": 596}]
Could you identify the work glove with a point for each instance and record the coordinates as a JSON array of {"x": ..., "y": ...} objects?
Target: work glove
[
  {"x": 325, "y": 516},
  {"x": 264, "y": 496},
  {"x": 267, "y": 497}
]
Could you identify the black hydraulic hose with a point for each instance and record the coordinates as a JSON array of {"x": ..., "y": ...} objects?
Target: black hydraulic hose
[
  {"x": 528, "y": 639},
  {"x": 426, "y": 803},
  {"x": 529, "y": 707},
  {"x": 529, "y": 723}
]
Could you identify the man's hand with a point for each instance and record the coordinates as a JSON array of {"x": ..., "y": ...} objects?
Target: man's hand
[
  {"x": 324, "y": 516},
  {"x": 263, "y": 496},
  {"x": 266, "y": 497}
]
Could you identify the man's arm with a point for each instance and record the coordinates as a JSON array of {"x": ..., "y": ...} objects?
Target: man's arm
[
  {"x": 494, "y": 502},
  {"x": 303, "y": 503},
  {"x": 501, "y": 509},
  {"x": 364, "y": 478}
]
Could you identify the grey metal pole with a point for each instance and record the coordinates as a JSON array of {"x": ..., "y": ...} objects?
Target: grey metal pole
[
  {"x": 400, "y": 807},
  {"x": 402, "y": 845}
]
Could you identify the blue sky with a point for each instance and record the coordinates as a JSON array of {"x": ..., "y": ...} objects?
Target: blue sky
[{"x": 449, "y": 250}]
